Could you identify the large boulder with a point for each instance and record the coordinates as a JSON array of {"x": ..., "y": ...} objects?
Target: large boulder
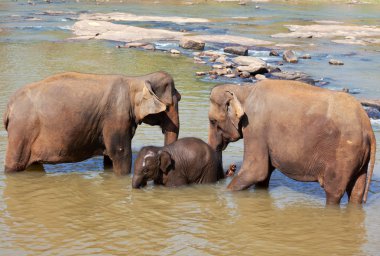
[
  {"x": 238, "y": 50},
  {"x": 194, "y": 44},
  {"x": 248, "y": 60},
  {"x": 251, "y": 65}
]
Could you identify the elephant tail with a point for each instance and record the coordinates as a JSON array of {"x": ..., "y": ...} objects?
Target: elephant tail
[{"x": 371, "y": 166}]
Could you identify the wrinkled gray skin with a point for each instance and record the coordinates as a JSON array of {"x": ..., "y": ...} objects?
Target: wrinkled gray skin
[
  {"x": 186, "y": 161},
  {"x": 70, "y": 117},
  {"x": 308, "y": 133}
]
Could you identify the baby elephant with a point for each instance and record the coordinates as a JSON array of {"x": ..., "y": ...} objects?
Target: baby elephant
[{"x": 186, "y": 161}]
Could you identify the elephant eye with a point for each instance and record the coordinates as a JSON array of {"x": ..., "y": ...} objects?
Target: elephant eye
[
  {"x": 145, "y": 170},
  {"x": 212, "y": 121}
]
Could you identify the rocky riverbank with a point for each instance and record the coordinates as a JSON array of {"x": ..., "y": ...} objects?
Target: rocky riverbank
[{"x": 222, "y": 57}]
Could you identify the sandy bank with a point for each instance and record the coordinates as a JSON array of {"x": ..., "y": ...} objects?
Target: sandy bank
[
  {"x": 86, "y": 29},
  {"x": 348, "y": 34},
  {"x": 118, "y": 16}
]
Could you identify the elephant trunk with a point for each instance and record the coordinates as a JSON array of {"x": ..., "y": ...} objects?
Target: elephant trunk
[
  {"x": 138, "y": 181},
  {"x": 170, "y": 124},
  {"x": 215, "y": 139}
]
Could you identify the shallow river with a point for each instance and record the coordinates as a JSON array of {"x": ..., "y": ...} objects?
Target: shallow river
[{"x": 82, "y": 209}]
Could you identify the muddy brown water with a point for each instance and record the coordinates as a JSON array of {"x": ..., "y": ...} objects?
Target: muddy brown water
[{"x": 82, "y": 209}]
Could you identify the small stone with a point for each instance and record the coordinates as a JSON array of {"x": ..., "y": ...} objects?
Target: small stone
[
  {"x": 228, "y": 64},
  {"x": 257, "y": 7},
  {"x": 346, "y": 90},
  {"x": 187, "y": 43},
  {"x": 290, "y": 56},
  {"x": 217, "y": 66},
  {"x": 238, "y": 50},
  {"x": 197, "y": 59},
  {"x": 212, "y": 72},
  {"x": 221, "y": 59},
  {"x": 212, "y": 59},
  {"x": 174, "y": 51},
  {"x": 245, "y": 74},
  {"x": 213, "y": 76},
  {"x": 260, "y": 77},
  {"x": 306, "y": 56},
  {"x": 221, "y": 72},
  {"x": 335, "y": 62},
  {"x": 274, "y": 53},
  {"x": 242, "y": 3},
  {"x": 200, "y": 73},
  {"x": 232, "y": 75}
]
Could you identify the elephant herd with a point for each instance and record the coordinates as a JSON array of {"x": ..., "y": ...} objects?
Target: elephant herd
[{"x": 307, "y": 133}]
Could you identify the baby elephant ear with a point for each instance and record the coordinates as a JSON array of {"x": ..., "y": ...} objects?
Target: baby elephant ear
[
  {"x": 148, "y": 103},
  {"x": 165, "y": 161}
]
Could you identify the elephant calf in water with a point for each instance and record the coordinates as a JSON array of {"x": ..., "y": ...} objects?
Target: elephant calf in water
[
  {"x": 186, "y": 161},
  {"x": 306, "y": 132},
  {"x": 70, "y": 117}
]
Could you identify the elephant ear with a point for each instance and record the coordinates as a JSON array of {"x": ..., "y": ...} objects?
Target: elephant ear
[
  {"x": 234, "y": 109},
  {"x": 148, "y": 103},
  {"x": 165, "y": 161}
]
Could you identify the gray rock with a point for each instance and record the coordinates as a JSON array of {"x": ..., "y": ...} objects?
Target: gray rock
[
  {"x": 260, "y": 77},
  {"x": 335, "y": 62},
  {"x": 238, "y": 50},
  {"x": 217, "y": 66},
  {"x": 245, "y": 74},
  {"x": 232, "y": 75},
  {"x": 194, "y": 44},
  {"x": 174, "y": 51},
  {"x": 274, "y": 53},
  {"x": 297, "y": 76},
  {"x": 306, "y": 56},
  {"x": 290, "y": 56},
  {"x": 200, "y": 73}
]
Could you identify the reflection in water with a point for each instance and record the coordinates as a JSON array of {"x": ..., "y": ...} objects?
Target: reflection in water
[{"x": 101, "y": 214}]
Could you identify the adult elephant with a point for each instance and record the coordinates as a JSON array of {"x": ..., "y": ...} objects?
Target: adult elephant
[
  {"x": 308, "y": 133},
  {"x": 70, "y": 117}
]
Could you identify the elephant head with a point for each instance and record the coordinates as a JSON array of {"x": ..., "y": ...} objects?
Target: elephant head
[
  {"x": 156, "y": 103},
  {"x": 152, "y": 163},
  {"x": 225, "y": 115}
]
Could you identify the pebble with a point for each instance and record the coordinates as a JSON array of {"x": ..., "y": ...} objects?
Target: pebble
[
  {"x": 290, "y": 56},
  {"x": 245, "y": 74},
  {"x": 274, "y": 53},
  {"x": 306, "y": 56},
  {"x": 174, "y": 51},
  {"x": 335, "y": 62},
  {"x": 260, "y": 77},
  {"x": 232, "y": 75},
  {"x": 200, "y": 73}
]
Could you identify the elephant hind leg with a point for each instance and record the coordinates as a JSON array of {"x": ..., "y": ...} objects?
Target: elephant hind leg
[
  {"x": 355, "y": 189},
  {"x": 335, "y": 185},
  {"x": 18, "y": 155}
]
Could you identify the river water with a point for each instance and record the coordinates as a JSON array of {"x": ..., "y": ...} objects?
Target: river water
[{"x": 81, "y": 209}]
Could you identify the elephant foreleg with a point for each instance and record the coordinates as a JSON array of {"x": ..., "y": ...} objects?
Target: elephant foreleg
[
  {"x": 265, "y": 183},
  {"x": 255, "y": 169},
  {"x": 118, "y": 146}
]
